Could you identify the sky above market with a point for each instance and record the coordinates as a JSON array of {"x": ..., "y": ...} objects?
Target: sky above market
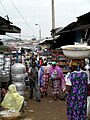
[{"x": 26, "y": 13}]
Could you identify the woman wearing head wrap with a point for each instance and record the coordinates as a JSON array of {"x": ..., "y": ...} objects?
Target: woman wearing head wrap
[
  {"x": 76, "y": 86},
  {"x": 12, "y": 99},
  {"x": 57, "y": 78}
]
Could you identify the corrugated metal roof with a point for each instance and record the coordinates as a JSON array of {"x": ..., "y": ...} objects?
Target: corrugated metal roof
[
  {"x": 81, "y": 27},
  {"x": 48, "y": 39},
  {"x": 78, "y": 25},
  {"x": 7, "y": 26}
]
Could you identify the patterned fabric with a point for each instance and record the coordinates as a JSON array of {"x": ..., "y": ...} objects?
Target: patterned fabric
[
  {"x": 44, "y": 88},
  {"x": 56, "y": 87},
  {"x": 57, "y": 84},
  {"x": 40, "y": 76},
  {"x": 43, "y": 80},
  {"x": 77, "y": 97}
]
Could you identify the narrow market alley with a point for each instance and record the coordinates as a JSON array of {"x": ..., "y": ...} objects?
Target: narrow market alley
[{"x": 47, "y": 109}]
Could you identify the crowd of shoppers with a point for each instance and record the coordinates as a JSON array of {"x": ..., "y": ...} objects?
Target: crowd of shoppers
[
  {"x": 39, "y": 78},
  {"x": 76, "y": 84}
]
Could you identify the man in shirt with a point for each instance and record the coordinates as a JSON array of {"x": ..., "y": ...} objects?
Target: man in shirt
[{"x": 33, "y": 78}]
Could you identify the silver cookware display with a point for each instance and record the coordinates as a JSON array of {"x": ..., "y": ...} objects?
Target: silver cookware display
[
  {"x": 20, "y": 86},
  {"x": 18, "y": 71},
  {"x": 4, "y": 76},
  {"x": 1, "y": 59},
  {"x": 5, "y": 63},
  {"x": 1, "y": 67},
  {"x": 7, "y": 67},
  {"x": 18, "y": 68},
  {"x": 1, "y": 56},
  {"x": 21, "y": 92},
  {"x": 18, "y": 77},
  {"x": 7, "y": 60}
]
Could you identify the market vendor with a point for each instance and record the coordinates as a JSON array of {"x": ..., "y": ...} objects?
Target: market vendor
[
  {"x": 12, "y": 99},
  {"x": 76, "y": 85}
]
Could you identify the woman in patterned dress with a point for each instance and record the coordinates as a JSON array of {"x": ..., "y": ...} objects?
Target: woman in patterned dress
[
  {"x": 57, "y": 79},
  {"x": 77, "y": 85},
  {"x": 43, "y": 79}
]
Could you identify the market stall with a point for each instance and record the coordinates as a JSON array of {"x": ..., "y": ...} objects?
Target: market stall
[{"x": 5, "y": 68}]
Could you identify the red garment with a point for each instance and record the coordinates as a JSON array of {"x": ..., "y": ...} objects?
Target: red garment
[
  {"x": 41, "y": 62},
  {"x": 88, "y": 92}
]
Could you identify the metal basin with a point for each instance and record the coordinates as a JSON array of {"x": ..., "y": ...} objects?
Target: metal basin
[
  {"x": 20, "y": 86},
  {"x": 18, "y": 77},
  {"x": 76, "y": 51},
  {"x": 18, "y": 68}
]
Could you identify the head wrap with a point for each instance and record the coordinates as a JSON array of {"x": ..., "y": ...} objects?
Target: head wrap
[
  {"x": 54, "y": 63},
  {"x": 12, "y": 88},
  {"x": 75, "y": 62}
]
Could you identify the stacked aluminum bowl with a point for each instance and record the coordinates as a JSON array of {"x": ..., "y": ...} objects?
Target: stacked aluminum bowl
[
  {"x": 1, "y": 61},
  {"x": 4, "y": 68},
  {"x": 7, "y": 64},
  {"x": 18, "y": 71}
]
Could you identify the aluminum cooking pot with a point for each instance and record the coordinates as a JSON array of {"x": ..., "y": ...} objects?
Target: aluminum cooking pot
[
  {"x": 1, "y": 56},
  {"x": 1, "y": 61},
  {"x": 4, "y": 78},
  {"x": 18, "y": 68},
  {"x": 18, "y": 77},
  {"x": 21, "y": 92},
  {"x": 20, "y": 86},
  {"x": 7, "y": 59}
]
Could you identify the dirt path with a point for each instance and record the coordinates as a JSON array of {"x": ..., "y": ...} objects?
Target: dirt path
[{"x": 47, "y": 109}]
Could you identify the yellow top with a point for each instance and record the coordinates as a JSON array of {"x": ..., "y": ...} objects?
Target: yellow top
[{"x": 12, "y": 99}]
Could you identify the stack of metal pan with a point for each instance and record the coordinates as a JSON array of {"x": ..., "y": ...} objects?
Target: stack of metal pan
[
  {"x": 18, "y": 71},
  {"x": 4, "y": 73}
]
